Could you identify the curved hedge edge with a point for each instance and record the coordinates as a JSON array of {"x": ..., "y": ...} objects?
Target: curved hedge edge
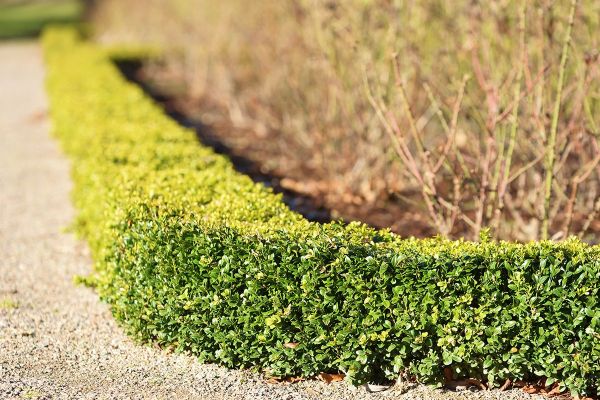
[
  {"x": 193, "y": 255},
  {"x": 131, "y": 52}
]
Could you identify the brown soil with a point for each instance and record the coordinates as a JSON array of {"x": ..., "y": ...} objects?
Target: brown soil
[
  {"x": 263, "y": 156},
  {"x": 259, "y": 155}
]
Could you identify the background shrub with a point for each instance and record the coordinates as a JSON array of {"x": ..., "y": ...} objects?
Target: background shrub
[{"x": 446, "y": 108}]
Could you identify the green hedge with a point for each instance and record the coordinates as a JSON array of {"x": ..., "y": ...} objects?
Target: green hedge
[{"x": 192, "y": 255}]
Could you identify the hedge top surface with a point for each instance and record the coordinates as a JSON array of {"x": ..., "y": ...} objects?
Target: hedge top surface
[{"x": 192, "y": 254}]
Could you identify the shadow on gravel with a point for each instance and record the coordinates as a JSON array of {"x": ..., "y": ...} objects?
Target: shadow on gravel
[{"x": 302, "y": 204}]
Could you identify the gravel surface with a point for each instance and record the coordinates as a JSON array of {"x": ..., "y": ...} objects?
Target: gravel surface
[{"x": 57, "y": 341}]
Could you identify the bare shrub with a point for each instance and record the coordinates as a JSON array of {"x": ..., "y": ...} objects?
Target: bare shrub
[{"x": 474, "y": 114}]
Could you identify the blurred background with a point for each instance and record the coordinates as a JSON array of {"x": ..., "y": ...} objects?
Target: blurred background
[
  {"x": 426, "y": 117},
  {"x": 26, "y": 18}
]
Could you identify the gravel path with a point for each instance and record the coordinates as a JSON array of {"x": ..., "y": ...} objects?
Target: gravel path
[{"x": 57, "y": 341}]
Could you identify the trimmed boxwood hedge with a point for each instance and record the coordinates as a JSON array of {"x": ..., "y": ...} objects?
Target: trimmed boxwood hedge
[{"x": 193, "y": 255}]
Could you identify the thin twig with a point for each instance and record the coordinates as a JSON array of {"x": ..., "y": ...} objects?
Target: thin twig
[
  {"x": 515, "y": 120},
  {"x": 550, "y": 148}
]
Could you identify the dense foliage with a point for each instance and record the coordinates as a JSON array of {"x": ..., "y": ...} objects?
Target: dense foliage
[
  {"x": 193, "y": 255},
  {"x": 20, "y": 19}
]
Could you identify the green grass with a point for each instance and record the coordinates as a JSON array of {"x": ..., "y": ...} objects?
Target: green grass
[
  {"x": 7, "y": 304},
  {"x": 31, "y": 394},
  {"x": 27, "y": 18}
]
